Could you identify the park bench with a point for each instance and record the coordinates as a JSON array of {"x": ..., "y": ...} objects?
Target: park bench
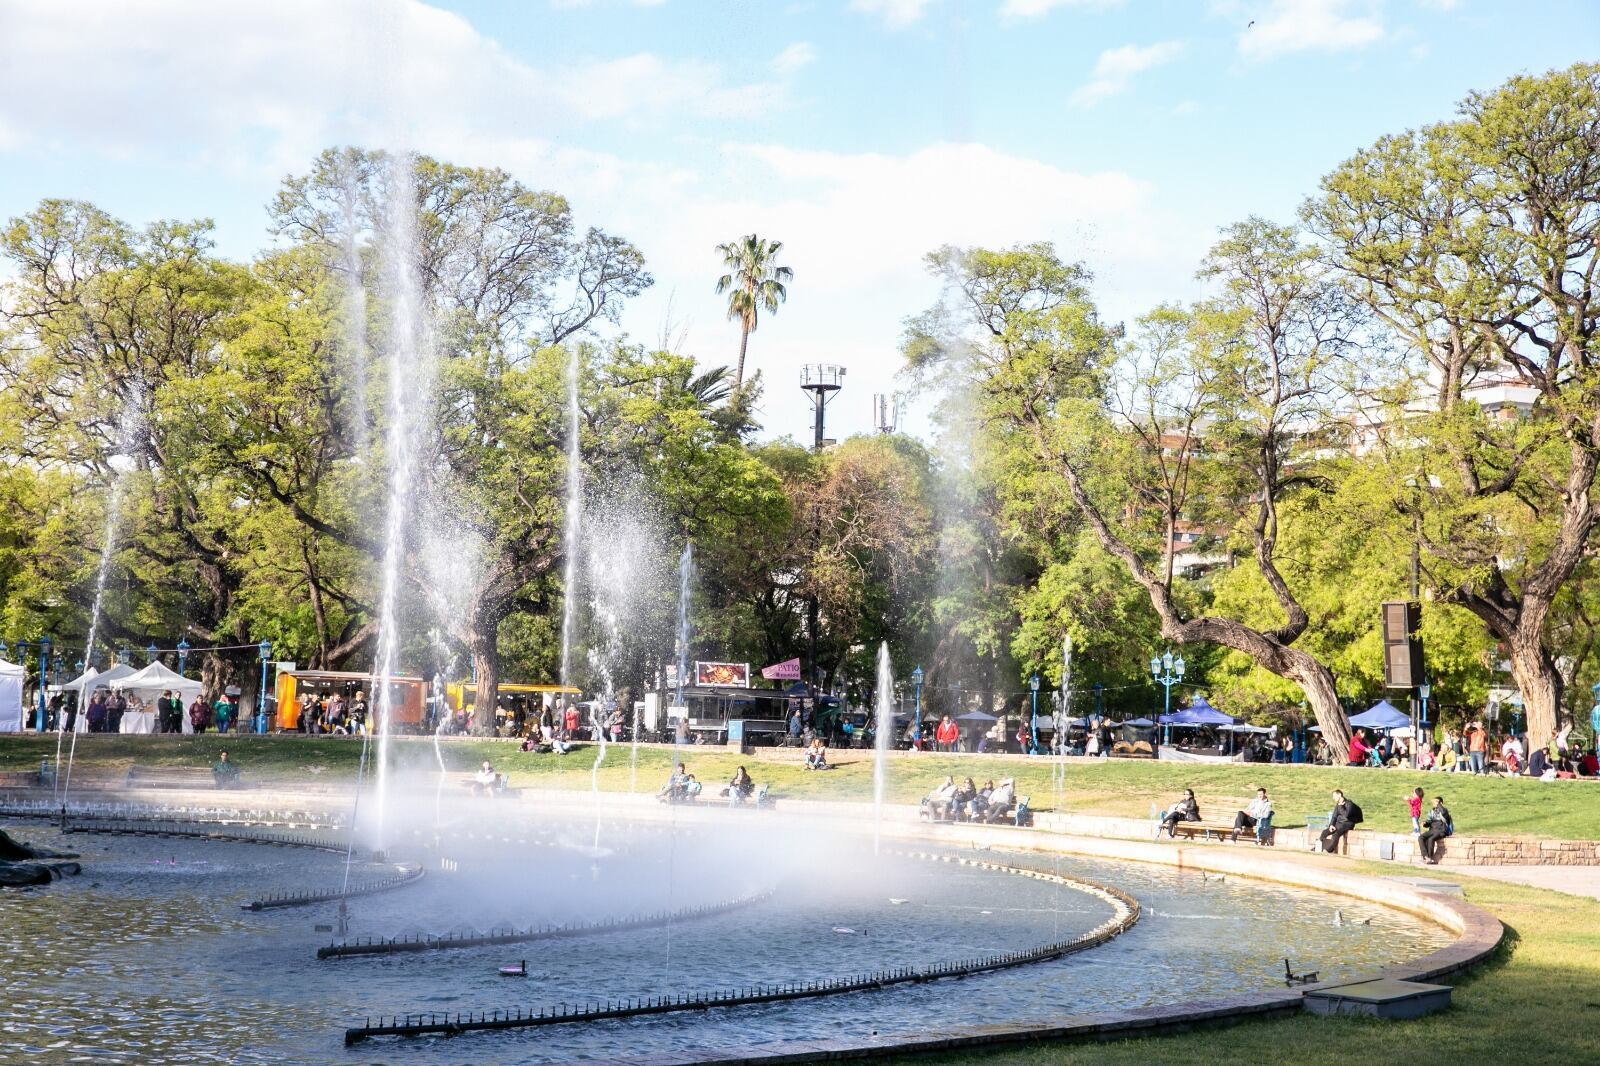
[
  {"x": 1204, "y": 830},
  {"x": 174, "y": 777},
  {"x": 1018, "y": 813}
]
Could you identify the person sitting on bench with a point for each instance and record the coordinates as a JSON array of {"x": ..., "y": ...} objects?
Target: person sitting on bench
[
  {"x": 1435, "y": 828},
  {"x": 677, "y": 787},
  {"x": 1186, "y": 809},
  {"x": 978, "y": 806},
  {"x": 961, "y": 802},
  {"x": 1257, "y": 816},
  {"x": 1345, "y": 817},
  {"x": 1001, "y": 801},
  {"x": 938, "y": 801},
  {"x": 816, "y": 755},
  {"x": 224, "y": 772}
]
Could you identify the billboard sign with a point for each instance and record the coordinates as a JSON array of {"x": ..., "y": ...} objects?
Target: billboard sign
[{"x": 722, "y": 675}]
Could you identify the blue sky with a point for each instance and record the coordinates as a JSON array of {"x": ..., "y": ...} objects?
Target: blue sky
[{"x": 862, "y": 133}]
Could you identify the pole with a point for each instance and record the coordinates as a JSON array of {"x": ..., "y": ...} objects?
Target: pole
[
  {"x": 1033, "y": 728},
  {"x": 916, "y": 723}
]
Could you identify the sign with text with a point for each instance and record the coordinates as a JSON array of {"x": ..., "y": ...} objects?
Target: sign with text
[{"x": 788, "y": 670}]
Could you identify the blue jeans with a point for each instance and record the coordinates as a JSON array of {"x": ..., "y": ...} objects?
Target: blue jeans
[{"x": 1477, "y": 762}]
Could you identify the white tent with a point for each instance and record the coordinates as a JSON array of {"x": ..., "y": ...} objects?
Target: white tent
[
  {"x": 148, "y": 685},
  {"x": 88, "y": 682},
  {"x": 11, "y": 679}
]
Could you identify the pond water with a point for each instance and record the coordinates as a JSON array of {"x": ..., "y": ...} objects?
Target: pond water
[{"x": 147, "y": 956}]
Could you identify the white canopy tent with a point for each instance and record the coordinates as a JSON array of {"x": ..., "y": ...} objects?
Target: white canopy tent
[
  {"x": 12, "y": 677},
  {"x": 87, "y": 683},
  {"x": 148, "y": 685}
]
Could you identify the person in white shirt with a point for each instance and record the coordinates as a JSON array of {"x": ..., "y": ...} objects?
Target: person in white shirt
[
  {"x": 485, "y": 778},
  {"x": 1257, "y": 816}
]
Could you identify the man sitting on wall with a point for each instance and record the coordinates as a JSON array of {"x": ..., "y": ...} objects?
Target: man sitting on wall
[{"x": 1345, "y": 817}]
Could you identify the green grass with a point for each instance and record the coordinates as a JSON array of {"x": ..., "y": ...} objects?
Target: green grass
[
  {"x": 1567, "y": 810},
  {"x": 1537, "y": 1001}
]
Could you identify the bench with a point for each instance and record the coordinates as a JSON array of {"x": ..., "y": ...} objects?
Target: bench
[
  {"x": 1204, "y": 830},
  {"x": 1018, "y": 812},
  {"x": 177, "y": 777}
]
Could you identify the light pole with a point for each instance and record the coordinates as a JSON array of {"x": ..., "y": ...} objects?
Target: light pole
[
  {"x": 1166, "y": 672},
  {"x": 265, "y": 648},
  {"x": 1033, "y": 727},
  {"x": 44, "y": 679},
  {"x": 916, "y": 722},
  {"x": 183, "y": 655},
  {"x": 1423, "y": 690}
]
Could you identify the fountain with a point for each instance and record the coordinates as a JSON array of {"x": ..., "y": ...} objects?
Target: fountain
[
  {"x": 410, "y": 389},
  {"x": 883, "y": 737},
  {"x": 569, "y": 581}
]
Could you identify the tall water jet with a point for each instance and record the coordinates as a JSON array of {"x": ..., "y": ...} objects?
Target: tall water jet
[
  {"x": 569, "y": 593},
  {"x": 353, "y": 318},
  {"x": 410, "y": 385},
  {"x": 883, "y": 736}
]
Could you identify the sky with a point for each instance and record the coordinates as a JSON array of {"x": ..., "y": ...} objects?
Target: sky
[{"x": 860, "y": 133}]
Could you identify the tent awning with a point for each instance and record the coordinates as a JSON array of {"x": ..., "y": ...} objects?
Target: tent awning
[
  {"x": 155, "y": 679},
  {"x": 1381, "y": 715}
]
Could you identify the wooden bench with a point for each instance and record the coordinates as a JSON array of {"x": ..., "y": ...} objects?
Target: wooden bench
[
  {"x": 175, "y": 777},
  {"x": 1204, "y": 830}
]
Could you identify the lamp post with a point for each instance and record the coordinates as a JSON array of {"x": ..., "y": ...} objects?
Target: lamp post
[
  {"x": 44, "y": 679},
  {"x": 183, "y": 655},
  {"x": 1166, "y": 672},
  {"x": 916, "y": 722},
  {"x": 123, "y": 655},
  {"x": 151, "y": 652},
  {"x": 1033, "y": 726},
  {"x": 265, "y": 648},
  {"x": 1423, "y": 691}
]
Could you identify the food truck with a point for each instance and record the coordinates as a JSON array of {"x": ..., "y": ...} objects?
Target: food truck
[{"x": 463, "y": 695}]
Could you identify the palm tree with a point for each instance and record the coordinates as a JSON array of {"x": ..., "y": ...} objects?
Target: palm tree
[{"x": 754, "y": 281}]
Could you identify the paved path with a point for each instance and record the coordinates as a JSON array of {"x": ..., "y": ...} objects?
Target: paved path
[{"x": 1574, "y": 880}]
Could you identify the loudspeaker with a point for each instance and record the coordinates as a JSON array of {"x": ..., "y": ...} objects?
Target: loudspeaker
[{"x": 1402, "y": 644}]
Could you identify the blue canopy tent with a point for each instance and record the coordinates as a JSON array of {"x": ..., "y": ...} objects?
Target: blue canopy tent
[{"x": 1381, "y": 715}]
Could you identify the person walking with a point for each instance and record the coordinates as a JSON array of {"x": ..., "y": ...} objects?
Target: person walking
[
  {"x": 1438, "y": 826},
  {"x": 1414, "y": 806}
]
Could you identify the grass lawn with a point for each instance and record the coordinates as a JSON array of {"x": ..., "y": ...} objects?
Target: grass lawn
[
  {"x": 1538, "y": 1001},
  {"x": 1568, "y": 810}
]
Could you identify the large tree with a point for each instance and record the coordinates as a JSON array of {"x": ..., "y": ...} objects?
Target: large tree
[
  {"x": 1203, "y": 413},
  {"x": 1478, "y": 243}
]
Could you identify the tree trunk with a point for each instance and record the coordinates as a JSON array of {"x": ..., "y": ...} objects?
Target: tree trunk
[
  {"x": 1539, "y": 682},
  {"x": 486, "y": 668},
  {"x": 744, "y": 342}
]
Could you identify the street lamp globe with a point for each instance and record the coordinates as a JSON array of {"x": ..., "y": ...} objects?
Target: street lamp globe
[
  {"x": 44, "y": 646},
  {"x": 916, "y": 676},
  {"x": 151, "y": 651},
  {"x": 1424, "y": 690},
  {"x": 3, "y": 649},
  {"x": 1166, "y": 661},
  {"x": 1177, "y": 665},
  {"x": 265, "y": 648},
  {"x": 1155, "y": 667},
  {"x": 1033, "y": 682}
]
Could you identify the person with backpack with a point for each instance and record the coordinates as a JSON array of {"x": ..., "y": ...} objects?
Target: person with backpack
[
  {"x": 1345, "y": 817},
  {"x": 1436, "y": 828}
]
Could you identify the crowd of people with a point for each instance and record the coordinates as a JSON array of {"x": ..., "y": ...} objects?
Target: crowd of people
[
  {"x": 325, "y": 713},
  {"x": 684, "y": 787},
  {"x": 966, "y": 802},
  {"x": 106, "y": 709},
  {"x": 1471, "y": 750}
]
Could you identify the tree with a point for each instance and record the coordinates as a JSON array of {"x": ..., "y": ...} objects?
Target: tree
[
  {"x": 1143, "y": 443},
  {"x": 754, "y": 281},
  {"x": 1478, "y": 243}
]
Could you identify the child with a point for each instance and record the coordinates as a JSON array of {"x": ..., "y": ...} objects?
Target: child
[{"x": 1414, "y": 801}]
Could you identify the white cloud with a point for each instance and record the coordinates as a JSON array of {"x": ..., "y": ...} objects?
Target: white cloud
[
  {"x": 1117, "y": 67},
  {"x": 793, "y": 58},
  {"x": 263, "y": 86},
  {"x": 1017, "y": 10},
  {"x": 896, "y": 14},
  {"x": 1312, "y": 25}
]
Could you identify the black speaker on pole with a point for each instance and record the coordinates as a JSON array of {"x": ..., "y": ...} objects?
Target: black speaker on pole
[{"x": 1402, "y": 644}]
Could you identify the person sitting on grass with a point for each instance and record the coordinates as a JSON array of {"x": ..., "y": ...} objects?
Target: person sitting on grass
[
  {"x": 225, "y": 773},
  {"x": 740, "y": 788},
  {"x": 938, "y": 801},
  {"x": 483, "y": 782},
  {"x": 677, "y": 787},
  {"x": 1436, "y": 828},
  {"x": 1257, "y": 816},
  {"x": 1186, "y": 809},
  {"x": 816, "y": 755},
  {"x": 1001, "y": 801}
]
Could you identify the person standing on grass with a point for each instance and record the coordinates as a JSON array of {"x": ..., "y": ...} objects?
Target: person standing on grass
[
  {"x": 1477, "y": 746},
  {"x": 1414, "y": 804},
  {"x": 946, "y": 735},
  {"x": 199, "y": 715},
  {"x": 221, "y": 711}
]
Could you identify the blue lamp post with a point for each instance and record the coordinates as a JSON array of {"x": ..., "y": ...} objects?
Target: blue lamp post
[
  {"x": 1423, "y": 691},
  {"x": 916, "y": 722},
  {"x": 265, "y": 648},
  {"x": 151, "y": 652},
  {"x": 1166, "y": 672},
  {"x": 1033, "y": 726},
  {"x": 183, "y": 654},
  {"x": 44, "y": 679},
  {"x": 123, "y": 655}
]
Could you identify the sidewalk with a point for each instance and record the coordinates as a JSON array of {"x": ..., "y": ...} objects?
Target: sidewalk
[{"x": 1573, "y": 880}]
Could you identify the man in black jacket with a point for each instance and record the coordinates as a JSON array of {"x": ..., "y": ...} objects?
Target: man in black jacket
[
  {"x": 1435, "y": 828},
  {"x": 1346, "y": 816}
]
